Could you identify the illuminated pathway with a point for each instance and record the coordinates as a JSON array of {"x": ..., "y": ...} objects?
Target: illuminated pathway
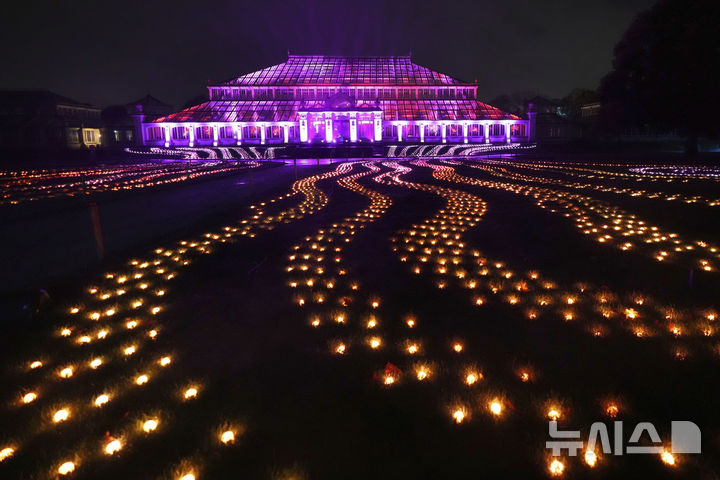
[
  {"x": 110, "y": 347},
  {"x": 608, "y": 224},
  {"x": 31, "y": 185},
  {"x": 419, "y": 343}
]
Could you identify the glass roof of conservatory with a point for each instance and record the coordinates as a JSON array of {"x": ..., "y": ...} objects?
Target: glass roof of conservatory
[
  {"x": 301, "y": 70},
  {"x": 286, "y": 110}
]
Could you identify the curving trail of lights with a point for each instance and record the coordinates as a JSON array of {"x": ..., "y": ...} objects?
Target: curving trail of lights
[
  {"x": 641, "y": 173},
  {"x": 435, "y": 248},
  {"x": 320, "y": 279},
  {"x": 641, "y": 314},
  {"x": 507, "y": 172},
  {"x": 110, "y": 347},
  {"x": 607, "y": 224},
  {"x": 32, "y": 185}
]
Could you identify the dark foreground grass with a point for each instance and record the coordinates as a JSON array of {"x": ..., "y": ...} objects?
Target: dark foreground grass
[{"x": 301, "y": 412}]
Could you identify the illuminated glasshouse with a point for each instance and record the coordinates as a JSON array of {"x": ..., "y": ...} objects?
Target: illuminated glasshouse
[{"x": 326, "y": 99}]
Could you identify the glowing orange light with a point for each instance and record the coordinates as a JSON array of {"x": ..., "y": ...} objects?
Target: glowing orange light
[
  {"x": 556, "y": 468},
  {"x": 612, "y": 410},
  {"x": 458, "y": 347},
  {"x": 113, "y": 447},
  {"x": 459, "y": 415},
  {"x": 6, "y": 453},
  {"x": 141, "y": 379},
  {"x": 553, "y": 414},
  {"x": 150, "y": 425},
  {"x": 165, "y": 361},
  {"x": 190, "y": 393},
  {"x": 66, "y": 372},
  {"x": 66, "y": 468},
  {"x": 227, "y": 437},
  {"x": 29, "y": 397},
  {"x": 61, "y": 415},
  {"x": 590, "y": 458},
  {"x": 102, "y": 400},
  {"x": 631, "y": 313},
  {"x": 667, "y": 458},
  {"x": 496, "y": 408}
]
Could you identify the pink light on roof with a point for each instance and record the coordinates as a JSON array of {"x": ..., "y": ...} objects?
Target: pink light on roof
[{"x": 307, "y": 70}]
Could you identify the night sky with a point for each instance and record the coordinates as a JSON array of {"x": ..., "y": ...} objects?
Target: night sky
[{"x": 115, "y": 52}]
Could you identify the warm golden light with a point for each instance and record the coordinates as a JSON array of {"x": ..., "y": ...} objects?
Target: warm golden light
[
  {"x": 66, "y": 468},
  {"x": 165, "y": 361},
  {"x": 113, "y": 447},
  {"x": 6, "y": 453},
  {"x": 227, "y": 437},
  {"x": 496, "y": 408},
  {"x": 141, "y": 379},
  {"x": 61, "y": 415},
  {"x": 459, "y": 415},
  {"x": 101, "y": 400},
  {"x": 458, "y": 347},
  {"x": 36, "y": 364},
  {"x": 667, "y": 458},
  {"x": 375, "y": 342},
  {"x": 590, "y": 458},
  {"x": 612, "y": 410},
  {"x": 190, "y": 393},
  {"x": 472, "y": 377},
  {"x": 95, "y": 363},
  {"x": 29, "y": 397},
  {"x": 553, "y": 414},
  {"x": 66, "y": 372},
  {"x": 188, "y": 476},
  {"x": 556, "y": 468},
  {"x": 150, "y": 425}
]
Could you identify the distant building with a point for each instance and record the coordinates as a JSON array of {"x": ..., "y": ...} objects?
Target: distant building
[
  {"x": 43, "y": 119},
  {"x": 331, "y": 99},
  {"x": 553, "y": 128},
  {"x": 590, "y": 111},
  {"x": 123, "y": 123}
]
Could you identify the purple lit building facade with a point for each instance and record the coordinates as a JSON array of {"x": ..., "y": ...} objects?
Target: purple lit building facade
[{"x": 326, "y": 99}]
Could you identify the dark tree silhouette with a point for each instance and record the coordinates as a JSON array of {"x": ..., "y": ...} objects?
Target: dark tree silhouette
[{"x": 666, "y": 71}]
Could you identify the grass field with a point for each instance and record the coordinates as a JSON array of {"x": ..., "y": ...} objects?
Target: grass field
[{"x": 408, "y": 318}]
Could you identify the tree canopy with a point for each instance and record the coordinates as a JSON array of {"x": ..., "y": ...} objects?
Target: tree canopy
[{"x": 666, "y": 70}]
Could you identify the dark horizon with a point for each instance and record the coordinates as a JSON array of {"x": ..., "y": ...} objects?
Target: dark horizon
[{"x": 103, "y": 55}]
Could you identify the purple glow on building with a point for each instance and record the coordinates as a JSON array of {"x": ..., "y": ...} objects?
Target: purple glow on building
[{"x": 326, "y": 99}]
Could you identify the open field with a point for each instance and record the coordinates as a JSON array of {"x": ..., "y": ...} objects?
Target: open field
[{"x": 399, "y": 318}]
